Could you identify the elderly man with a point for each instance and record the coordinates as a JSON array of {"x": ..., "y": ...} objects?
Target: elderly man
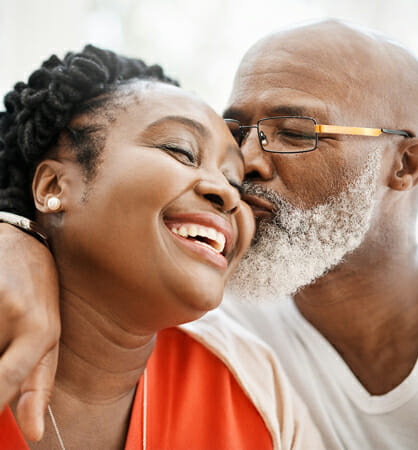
[{"x": 326, "y": 117}]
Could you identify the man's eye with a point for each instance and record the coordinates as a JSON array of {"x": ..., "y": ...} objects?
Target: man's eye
[
  {"x": 182, "y": 154},
  {"x": 295, "y": 134}
]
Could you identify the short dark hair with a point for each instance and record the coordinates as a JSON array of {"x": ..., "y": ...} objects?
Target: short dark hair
[{"x": 38, "y": 112}]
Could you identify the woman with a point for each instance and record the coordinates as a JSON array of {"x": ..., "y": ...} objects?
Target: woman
[{"x": 136, "y": 184}]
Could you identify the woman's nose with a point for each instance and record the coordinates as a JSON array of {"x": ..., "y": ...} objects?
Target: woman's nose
[{"x": 220, "y": 193}]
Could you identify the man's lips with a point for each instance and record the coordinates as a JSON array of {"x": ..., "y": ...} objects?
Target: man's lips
[
  {"x": 259, "y": 206},
  {"x": 206, "y": 234}
]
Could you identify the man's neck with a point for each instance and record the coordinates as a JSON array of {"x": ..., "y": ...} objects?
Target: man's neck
[{"x": 369, "y": 313}]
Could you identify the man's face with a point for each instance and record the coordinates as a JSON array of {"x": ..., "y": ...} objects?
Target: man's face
[{"x": 313, "y": 208}]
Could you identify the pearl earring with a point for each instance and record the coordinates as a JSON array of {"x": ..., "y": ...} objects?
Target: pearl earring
[{"x": 54, "y": 203}]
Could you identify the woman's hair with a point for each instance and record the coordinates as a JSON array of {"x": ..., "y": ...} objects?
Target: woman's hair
[{"x": 39, "y": 111}]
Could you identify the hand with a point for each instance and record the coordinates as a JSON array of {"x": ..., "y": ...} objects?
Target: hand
[{"x": 30, "y": 327}]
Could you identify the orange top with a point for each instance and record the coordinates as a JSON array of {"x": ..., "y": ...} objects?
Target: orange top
[
  {"x": 193, "y": 402},
  {"x": 10, "y": 436}
]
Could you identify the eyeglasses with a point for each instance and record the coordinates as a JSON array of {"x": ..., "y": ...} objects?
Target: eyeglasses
[{"x": 296, "y": 134}]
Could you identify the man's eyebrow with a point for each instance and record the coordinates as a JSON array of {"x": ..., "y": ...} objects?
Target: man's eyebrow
[
  {"x": 189, "y": 123},
  {"x": 233, "y": 113},
  {"x": 278, "y": 110},
  {"x": 287, "y": 110}
]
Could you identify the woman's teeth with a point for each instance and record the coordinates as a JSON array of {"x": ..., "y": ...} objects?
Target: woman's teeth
[{"x": 213, "y": 239}]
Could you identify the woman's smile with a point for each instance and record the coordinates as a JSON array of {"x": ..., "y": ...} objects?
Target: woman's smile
[
  {"x": 163, "y": 215},
  {"x": 148, "y": 228},
  {"x": 207, "y": 235}
]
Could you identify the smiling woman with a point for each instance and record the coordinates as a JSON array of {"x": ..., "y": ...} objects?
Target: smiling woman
[
  {"x": 153, "y": 171},
  {"x": 136, "y": 184}
]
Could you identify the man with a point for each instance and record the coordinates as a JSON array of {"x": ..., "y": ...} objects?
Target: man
[
  {"x": 344, "y": 215},
  {"x": 338, "y": 207}
]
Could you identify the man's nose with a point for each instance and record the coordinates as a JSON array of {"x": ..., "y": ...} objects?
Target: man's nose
[{"x": 258, "y": 163}]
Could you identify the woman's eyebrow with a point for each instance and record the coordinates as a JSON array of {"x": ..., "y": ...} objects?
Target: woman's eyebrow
[{"x": 189, "y": 123}]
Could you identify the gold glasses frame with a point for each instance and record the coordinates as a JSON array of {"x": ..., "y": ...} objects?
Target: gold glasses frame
[{"x": 319, "y": 129}]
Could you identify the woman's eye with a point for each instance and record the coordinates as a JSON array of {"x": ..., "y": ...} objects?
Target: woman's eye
[{"x": 182, "y": 154}]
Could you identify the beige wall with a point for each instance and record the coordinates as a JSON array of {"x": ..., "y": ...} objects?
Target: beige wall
[{"x": 199, "y": 42}]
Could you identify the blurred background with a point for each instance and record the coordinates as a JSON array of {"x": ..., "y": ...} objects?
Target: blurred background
[{"x": 198, "y": 42}]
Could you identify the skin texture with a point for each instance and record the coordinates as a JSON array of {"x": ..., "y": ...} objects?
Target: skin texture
[
  {"x": 367, "y": 306},
  {"x": 123, "y": 274},
  {"x": 29, "y": 338},
  {"x": 349, "y": 79}
]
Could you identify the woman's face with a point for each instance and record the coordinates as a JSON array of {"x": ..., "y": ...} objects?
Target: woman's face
[{"x": 161, "y": 227}]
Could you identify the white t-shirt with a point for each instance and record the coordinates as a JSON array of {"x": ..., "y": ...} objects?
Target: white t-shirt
[{"x": 345, "y": 413}]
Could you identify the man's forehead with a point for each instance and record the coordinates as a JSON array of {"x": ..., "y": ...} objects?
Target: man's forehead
[
  {"x": 326, "y": 52},
  {"x": 278, "y": 106},
  {"x": 281, "y": 86},
  {"x": 312, "y": 69},
  {"x": 332, "y": 72},
  {"x": 303, "y": 66}
]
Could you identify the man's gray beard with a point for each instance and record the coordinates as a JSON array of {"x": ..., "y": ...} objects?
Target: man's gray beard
[{"x": 299, "y": 245}]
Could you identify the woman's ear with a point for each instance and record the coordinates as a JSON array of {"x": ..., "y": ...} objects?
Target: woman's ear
[
  {"x": 404, "y": 174},
  {"x": 48, "y": 187}
]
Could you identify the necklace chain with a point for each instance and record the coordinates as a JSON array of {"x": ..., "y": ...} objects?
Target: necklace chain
[
  {"x": 144, "y": 419},
  {"x": 57, "y": 431},
  {"x": 144, "y": 413}
]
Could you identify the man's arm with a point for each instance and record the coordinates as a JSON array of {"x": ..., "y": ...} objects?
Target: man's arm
[{"x": 29, "y": 327}]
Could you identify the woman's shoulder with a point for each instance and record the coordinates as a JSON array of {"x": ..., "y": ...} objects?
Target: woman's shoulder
[
  {"x": 261, "y": 376},
  {"x": 194, "y": 393}
]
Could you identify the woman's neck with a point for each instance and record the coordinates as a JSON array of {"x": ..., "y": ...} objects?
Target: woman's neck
[
  {"x": 100, "y": 364},
  {"x": 96, "y": 347}
]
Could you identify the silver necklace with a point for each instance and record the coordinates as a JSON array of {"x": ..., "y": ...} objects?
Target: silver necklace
[
  {"x": 57, "y": 431},
  {"x": 144, "y": 419}
]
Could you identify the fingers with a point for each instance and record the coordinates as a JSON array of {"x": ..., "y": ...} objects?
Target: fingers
[
  {"x": 32, "y": 340},
  {"x": 35, "y": 395},
  {"x": 29, "y": 324},
  {"x": 17, "y": 362}
]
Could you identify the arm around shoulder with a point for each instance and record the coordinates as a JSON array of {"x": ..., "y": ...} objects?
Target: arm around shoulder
[{"x": 29, "y": 324}]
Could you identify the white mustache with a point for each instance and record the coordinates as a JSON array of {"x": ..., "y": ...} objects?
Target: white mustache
[{"x": 299, "y": 245}]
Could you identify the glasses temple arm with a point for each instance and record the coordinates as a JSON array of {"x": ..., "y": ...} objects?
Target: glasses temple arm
[
  {"x": 400, "y": 132},
  {"x": 360, "y": 131}
]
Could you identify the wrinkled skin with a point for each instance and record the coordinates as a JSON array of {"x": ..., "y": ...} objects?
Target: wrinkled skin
[
  {"x": 342, "y": 77},
  {"x": 123, "y": 274},
  {"x": 343, "y": 85}
]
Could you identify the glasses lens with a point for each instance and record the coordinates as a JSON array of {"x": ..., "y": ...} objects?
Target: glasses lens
[
  {"x": 287, "y": 134},
  {"x": 235, "y": 129}
]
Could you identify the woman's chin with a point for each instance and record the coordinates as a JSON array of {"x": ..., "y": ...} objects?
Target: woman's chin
[{"x": 200, "y": 302}]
